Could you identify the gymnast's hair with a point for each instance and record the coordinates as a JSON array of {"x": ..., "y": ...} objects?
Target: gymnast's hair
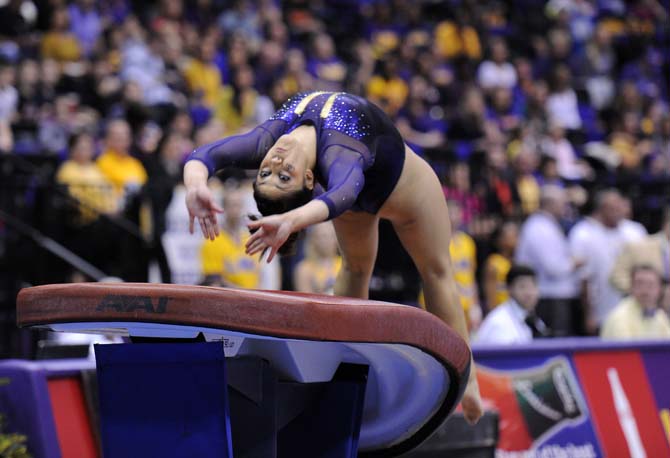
[{"x": 287, "y": 203}]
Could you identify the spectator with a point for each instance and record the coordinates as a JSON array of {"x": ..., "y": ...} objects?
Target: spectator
[
  {"x": 243, "y": 20},
  {"x": 240, "y": 106},
  {"x": 464, "y": 261},
  {"x": 497, "y": 264},
  {"x": 514, "y": 321},
  {"x": 59, "y": 43},
  {"x": 458, "y": 190},
  {"x": 653, "y": 251},
  {"x": 295, "y": 78},
  {"x": 470, "y": 121},
  {"x": 163, "y": 168},
  {"x": 126, "y": 173},
  {"x": 597, "y": 240},
  {"x": 143, "y": 65},
  {"x": 630, "y": 230},
  {"x": 85, "y": 181},
  {"x": 639, "y": 315},
  {"x": 419, "y": 124},
  {"x": 527, "y": 184},
  {"x": 202, "y": 76},
  {"x": 9, "y": 96},
  {"x": 454, "y": 40},
  {"x": 548, "y": 172},
  {"x": 86, "y": 24},
  {"x": 324, "y": 65},
  {"x": 497, "y": 72},
  {"x": 562, "y": 107},
  {"x": 316, "y": 273},
  {"x": 557, "y": 146},
  {"x": 224, "y": 262},
  {"x": 386, "y": 88},
  {"x": 494, "y": 183},
  {"x": 502, "y": 111},
  {"x": 597, "y": 61},
  {"x": 625, "y": 142},
  {"x": 544, "y": 247}
]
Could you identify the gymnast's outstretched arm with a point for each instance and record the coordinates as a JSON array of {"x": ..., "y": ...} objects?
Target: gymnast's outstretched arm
[{"x": 244, "y": 151}]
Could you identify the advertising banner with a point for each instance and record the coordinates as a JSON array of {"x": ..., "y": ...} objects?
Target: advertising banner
[{"x": 579, "y": 398}]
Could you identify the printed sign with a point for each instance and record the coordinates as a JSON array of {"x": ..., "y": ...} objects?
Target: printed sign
[{"x": 582, "y": 402}]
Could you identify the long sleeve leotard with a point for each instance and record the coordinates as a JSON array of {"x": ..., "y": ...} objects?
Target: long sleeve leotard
[{"x": 359, "y": 156}]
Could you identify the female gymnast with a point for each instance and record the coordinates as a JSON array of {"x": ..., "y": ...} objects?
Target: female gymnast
[{"x": 350, "y": 148}]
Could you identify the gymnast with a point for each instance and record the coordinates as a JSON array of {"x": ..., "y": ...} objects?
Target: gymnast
[{"x": 336, "y": 156}]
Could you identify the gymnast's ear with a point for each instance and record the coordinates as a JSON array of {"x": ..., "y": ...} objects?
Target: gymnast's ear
[{"x": 309, "y": 179}]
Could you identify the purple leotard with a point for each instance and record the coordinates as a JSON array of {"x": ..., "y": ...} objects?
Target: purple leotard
[{"x": 359, "y": 153}]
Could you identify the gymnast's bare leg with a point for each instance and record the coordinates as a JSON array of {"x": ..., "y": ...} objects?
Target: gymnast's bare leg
[
  {"x": 357, "y": 237},
  {"x": 418, "y": 211}
]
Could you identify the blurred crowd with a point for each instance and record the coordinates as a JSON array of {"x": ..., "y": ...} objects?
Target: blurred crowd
[{"x": 542, "y": 119}]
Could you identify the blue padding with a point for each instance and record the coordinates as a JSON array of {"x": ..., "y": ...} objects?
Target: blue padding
[
  {"x": 163, "y": 400},
  {"x": 25, "y": 403}
]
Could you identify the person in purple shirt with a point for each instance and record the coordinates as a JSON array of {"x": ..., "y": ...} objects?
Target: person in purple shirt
[{"x": 352, "y": 149}]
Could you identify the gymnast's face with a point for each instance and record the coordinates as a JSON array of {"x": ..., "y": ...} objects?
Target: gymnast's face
[{"x": 284, "y": 169}]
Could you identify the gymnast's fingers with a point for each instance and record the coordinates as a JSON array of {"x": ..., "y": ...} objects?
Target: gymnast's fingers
[
  {"x": 191, "y": 221},
  {"x": 257, "y": 246},
  {"x": 202, "y": 227},
  {"x": 273, "y": 252},
  {"x": 212, "y": 228},
  {"x": 205, "y": 225},
  {"x": 215, "y": 225},
  {"x": 255, "y": 236},
  {"x": 255, "y": 224}
]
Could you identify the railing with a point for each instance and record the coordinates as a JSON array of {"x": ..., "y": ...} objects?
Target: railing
[{"x": 47, "y": 234}]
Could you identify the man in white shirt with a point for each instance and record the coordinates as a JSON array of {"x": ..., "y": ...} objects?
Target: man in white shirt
[
  {"x": 514, "y": 321},
  {"x": 544, "y": 247},
  {"x": 497, "y": 72},
  {"x": 630, "y": 230},
  {"x": 562, "y": 105},
  {"x": 598, "y": 240}
]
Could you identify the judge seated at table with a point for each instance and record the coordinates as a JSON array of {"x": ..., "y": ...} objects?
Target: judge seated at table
[
  {"x": 514, "y": 321},
  {"x": 639, "y": 316}
]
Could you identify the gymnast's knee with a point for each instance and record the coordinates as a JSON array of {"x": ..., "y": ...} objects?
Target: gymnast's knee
[
  {"x": 360, "y": 270},
  {"x": 435, "y": 271}
]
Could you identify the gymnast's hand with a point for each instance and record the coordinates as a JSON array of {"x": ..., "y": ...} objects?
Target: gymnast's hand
[
  {"x": 201, "y": 204},
  {"x": 271, "y": 232}
]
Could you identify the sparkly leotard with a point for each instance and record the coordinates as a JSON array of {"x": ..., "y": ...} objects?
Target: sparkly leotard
[{"x": 359, "y": 152}]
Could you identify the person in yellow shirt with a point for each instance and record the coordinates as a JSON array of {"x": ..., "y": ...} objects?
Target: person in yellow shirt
[
  {"x": 124, "y": 172},
  {"x": 203, "y": 76},
  {"x": 387, "y": 89},
  {"x": 85, "y": 181},
  {"x": 463, "y": 254},
  {"x": 316, "y": 273},
  {"x": 239, "y": 103},
  {"x": 498, "y": 263},
  {"x": 223, "y": 259},
  {"x": 452, "y": 40},
  {"x": 59, "y": 43},
  {"x": 639, "y": 316}
]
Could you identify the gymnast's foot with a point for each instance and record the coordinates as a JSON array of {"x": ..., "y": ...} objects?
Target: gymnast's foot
[{"x": 472, "y": 402}]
